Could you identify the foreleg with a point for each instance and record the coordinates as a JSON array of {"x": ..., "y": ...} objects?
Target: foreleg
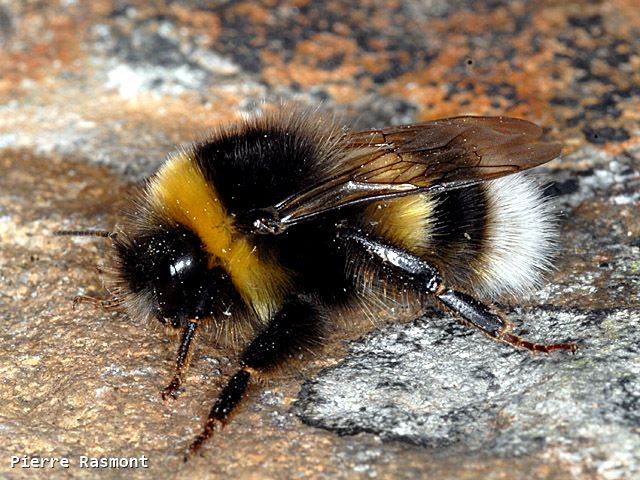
[{"x": 185, "y": 352}]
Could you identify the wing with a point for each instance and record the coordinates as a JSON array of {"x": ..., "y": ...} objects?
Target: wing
[{"x": 403, "y": 160}]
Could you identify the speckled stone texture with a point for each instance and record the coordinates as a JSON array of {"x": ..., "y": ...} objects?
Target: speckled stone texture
[{"x": 93, "y": 95}]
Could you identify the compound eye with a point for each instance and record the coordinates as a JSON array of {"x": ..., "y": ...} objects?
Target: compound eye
[
  {"x": 175, "y": 280},
  {"x": 178, "y": 271}
]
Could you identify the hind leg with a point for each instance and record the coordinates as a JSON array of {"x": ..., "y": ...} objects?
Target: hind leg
[{"x": 426, "y": 277}]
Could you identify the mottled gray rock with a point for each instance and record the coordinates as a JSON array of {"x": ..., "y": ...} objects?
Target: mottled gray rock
[{"x": 438, "y": 385}]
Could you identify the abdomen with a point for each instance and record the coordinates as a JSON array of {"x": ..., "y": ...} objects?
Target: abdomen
[{"x": 493, "y": 238}]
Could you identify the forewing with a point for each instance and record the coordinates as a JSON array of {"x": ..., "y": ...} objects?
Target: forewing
[
  {"x": 453, "y": 150},
  {"x": 438, "y": 155}
]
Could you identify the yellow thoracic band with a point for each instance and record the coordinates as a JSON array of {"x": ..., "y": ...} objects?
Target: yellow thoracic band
[{"x": 180, "y": 192}]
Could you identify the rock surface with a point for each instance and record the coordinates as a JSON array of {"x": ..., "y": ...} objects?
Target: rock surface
[{"x": 93, "y": 95}]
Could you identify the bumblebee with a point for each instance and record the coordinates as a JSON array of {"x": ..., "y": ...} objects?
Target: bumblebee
[{"x": 267, "y": 229}]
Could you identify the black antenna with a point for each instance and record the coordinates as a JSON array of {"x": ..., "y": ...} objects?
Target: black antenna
[{"x": 84, "y": 233}]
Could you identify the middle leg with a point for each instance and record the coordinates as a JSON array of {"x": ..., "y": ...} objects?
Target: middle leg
[{"x": 298, "y": 326}]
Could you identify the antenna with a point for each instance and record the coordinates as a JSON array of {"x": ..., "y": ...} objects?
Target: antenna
[{"x": 84, "y": 233}]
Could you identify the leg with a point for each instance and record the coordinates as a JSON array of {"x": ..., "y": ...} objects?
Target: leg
[
  {"x": 296, "y": 327},
  {"x": 476, "y": 314},
  {"x": 182, "y": 361},
  {"x": 103, "y": 304},
  {"x": 424, "y": 275}
]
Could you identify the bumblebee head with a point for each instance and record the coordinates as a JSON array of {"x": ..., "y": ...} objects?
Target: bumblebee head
[{"x": 170, "y": 269}]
